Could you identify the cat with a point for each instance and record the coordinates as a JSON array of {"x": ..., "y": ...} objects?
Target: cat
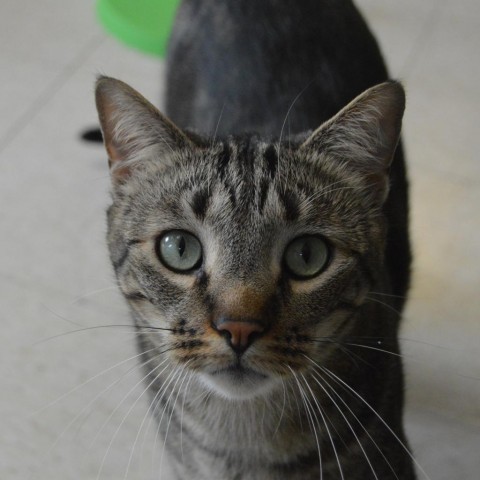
[{"x": 259, "y": 233}]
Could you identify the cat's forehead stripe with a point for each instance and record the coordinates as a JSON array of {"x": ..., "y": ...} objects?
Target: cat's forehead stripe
[
  {"x": 223, "y": 159},
  {"x": 200, "y": 202},
  {"x": 271, "y": 160},
  {"x": 262, "y": 193},
  {"x": 245, "y": 176},
  {"x": 290, "y": 203}
]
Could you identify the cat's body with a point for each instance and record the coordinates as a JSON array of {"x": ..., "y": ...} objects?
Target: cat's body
[
  {"x": 264, "y": 275},
  {"x": 242, "y": 66}
]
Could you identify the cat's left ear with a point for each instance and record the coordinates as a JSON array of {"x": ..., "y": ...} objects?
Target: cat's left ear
[
  {"x": 133, "y": 129},
  {"x": 364, "y": 135}
]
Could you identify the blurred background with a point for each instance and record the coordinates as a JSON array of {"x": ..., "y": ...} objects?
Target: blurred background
[{"x": 71, "y": 406}]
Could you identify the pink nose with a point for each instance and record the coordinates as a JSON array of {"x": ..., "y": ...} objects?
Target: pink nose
[{"x": 240, "y": 333}]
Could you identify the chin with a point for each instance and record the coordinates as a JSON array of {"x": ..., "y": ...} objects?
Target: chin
[{"x": 238, "y": 383}]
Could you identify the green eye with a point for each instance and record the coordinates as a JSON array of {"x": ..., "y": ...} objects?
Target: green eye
[
  {"x": 179, "y": 251},
  {"x": 306, "y": 256}
]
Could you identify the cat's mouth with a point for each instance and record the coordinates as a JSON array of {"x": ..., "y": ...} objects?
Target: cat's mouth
[
  {"x": 238, "y": 382},
  {"x": 239, "y": 372}
]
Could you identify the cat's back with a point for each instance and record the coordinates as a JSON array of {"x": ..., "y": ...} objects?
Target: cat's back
[{"x": 248, "y": 62}]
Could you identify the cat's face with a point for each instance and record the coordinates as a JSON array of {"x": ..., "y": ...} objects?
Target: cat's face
[{"x": 246, "y": 257}]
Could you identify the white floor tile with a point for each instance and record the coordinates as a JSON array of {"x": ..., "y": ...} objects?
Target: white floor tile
[
  {"x": 49, "y": 33},
  {"x": 446, "y": 449}
]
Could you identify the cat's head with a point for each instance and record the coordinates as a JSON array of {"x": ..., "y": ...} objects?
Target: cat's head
[{"x": 247, "y": 256}]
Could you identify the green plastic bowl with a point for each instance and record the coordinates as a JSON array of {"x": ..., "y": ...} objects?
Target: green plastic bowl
[{"x": 142, "y": 24}]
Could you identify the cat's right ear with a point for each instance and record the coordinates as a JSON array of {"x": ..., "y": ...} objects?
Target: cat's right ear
[
  {"x": 133, "y": 129},
  {"x": 363, "y": 136}
]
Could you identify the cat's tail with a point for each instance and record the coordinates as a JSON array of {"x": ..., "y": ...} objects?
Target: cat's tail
[{"x": 93, "y": 135}]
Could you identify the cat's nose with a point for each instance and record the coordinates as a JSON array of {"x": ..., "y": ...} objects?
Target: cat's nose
[{"x": 240, "y": 334}]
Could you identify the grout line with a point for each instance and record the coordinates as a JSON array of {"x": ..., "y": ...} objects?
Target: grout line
[
  {"x": 418, "y": 47},
  {"x": 50, "y": 90}
]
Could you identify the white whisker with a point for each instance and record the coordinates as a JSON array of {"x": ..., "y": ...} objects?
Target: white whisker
[
  {"x": 94, "y": 292},
  {"x": 320, "y": 411},
  {"x": 164, "y": 390},
  {"x": 375, "y": 348},
  {"x": 311, "y": 415},
  {"x": 218, "y": 124},
  {"x": 92, "y": 401},
  {"x": 173, "y": 408},
  {"x": 384, "y": 304},
  {"x": 147, "y": 415},
  {"x": 350, "y": 426},
  {"x": 181, "y": 415},
  {"x": 91, "y": 379},
  {"x": 283, "y": 407},
  {"x": 128, "y": 412},
  {"x": 338, "y": 380}
]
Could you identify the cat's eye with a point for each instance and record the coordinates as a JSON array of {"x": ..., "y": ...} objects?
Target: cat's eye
[
  {"x": 306, "y": 256},
  {"x": 179, "y": 250}
]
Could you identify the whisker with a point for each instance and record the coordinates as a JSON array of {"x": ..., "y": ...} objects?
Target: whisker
[
  {"x": 94, "y": 292},
  {"x": 218, "y": 124},
  {"x": 310, "y": 415},
  {"x": 155, "y": 403},
  {"x": 91, "y": 379},
  {"x": 379, "y": 340},
  {"x": 319, "y": 409},
  {"x": 422, "y": 342},
  {"x": 144, "y": 419},
  {"x": 164, "y": 389},
  {"x": 376, "y": 349},
  {"x": 173, "y": 407},
  {"x": 128, "y": 412},
  {"x": 349, "y": 425},
  {"x": 96, "y": 327},
  {"x": 347, "y": 351},
  {"x": 181, "y": 415},
  {"x": 91, "y": 402},
  {"x": 386, "y": 305},
  {"x": 288, "y": 113},
  {"x": 262, "y": 421},
  {"x": 85, "y": 412},
  {"x": 283, "y": 407},
  {"x": 132, "y": 389},
  {"x": 286, "y": 182},
  {"x": 387, "y": 295},
  {"x": 61, "y": 317},
  {"x": 298, "y": 405},
  {"x": 307, "y": 202},
  {"x": 350, "y": 389}
]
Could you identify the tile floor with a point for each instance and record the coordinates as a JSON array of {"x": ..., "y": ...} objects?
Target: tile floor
[{"x": 55, "y": 277}]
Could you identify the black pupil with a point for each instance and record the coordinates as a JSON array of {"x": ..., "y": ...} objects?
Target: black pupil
[
  {"x": 181, "y": 246},
  {"x": 306, "y": 252}
]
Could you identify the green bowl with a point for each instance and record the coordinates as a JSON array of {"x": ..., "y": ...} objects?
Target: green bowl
[{"x": 142, "y": 24}]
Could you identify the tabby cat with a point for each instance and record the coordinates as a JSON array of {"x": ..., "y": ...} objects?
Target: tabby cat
[{"x": 261, "y": 243}]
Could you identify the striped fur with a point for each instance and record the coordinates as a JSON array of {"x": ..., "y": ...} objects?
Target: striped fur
[
  {"x": 287, "y": 414},
  {"x": 318, "y": 394}
]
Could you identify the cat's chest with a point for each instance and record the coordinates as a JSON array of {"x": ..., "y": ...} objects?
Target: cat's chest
[{"x": 253, "y": 430}]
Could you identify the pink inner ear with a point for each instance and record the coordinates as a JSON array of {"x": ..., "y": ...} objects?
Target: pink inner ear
[
  {"x": 106, "y": 113},
  {"x": 114, "y": 151},
  {"x": 114, "y": 155},
  {"x": 130, "y": 124},
  {"x": 119, "y": 172}
]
